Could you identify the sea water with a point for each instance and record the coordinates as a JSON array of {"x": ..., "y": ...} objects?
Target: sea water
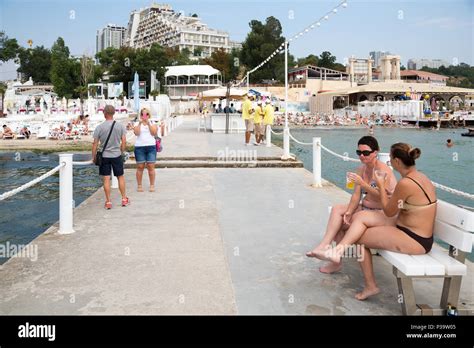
[{"x": 29, "y": 213}]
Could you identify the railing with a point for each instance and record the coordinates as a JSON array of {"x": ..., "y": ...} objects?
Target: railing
[
  {"x": 317, "y": 146},
  {"x": 65, "y": 168}
]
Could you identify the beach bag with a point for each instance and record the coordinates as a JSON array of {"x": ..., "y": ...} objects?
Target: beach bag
[
  {"x": 159, "y": 147},
  {"x": 98, "y": 154}
]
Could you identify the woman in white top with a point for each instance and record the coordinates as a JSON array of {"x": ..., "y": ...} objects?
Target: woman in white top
[{"x": 145, "y": 148}]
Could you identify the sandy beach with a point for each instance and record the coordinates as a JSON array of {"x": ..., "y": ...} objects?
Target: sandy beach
[{"x": 47, "y": 145}]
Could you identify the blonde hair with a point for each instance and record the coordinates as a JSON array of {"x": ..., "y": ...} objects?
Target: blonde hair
[{"x": 147, "y": 111}]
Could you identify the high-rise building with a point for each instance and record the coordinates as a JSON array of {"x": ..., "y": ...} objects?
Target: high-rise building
[
  {"x": 161, "y": 24},
  {"x": 417, "y": 64},
  {"x": 377, "y": 56},
  {"x": 110, "y": 36}
]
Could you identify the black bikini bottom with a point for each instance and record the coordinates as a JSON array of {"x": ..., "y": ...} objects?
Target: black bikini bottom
[{"x": 426, "y": 243}]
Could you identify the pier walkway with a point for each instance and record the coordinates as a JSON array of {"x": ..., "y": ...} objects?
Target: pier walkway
[{"x": 208, "y": 241}]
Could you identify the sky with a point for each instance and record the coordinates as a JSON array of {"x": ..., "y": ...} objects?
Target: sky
[{"x": 436, "y": 29}]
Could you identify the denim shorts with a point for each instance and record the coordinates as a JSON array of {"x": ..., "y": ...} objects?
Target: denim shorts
[{"x": 145, "y": 154}]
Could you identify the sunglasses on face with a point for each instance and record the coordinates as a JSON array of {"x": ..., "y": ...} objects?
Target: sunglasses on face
[{"x": 365, "y": 152}]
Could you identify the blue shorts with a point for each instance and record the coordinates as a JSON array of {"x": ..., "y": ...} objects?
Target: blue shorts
[
  {"x": 108, "y": 163},
  {"x": 145, "y": 154}
]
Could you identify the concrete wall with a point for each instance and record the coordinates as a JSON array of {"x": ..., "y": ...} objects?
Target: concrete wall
[
  {"x": 316, "y": 85},
  {"x": 321, "y": 104}
]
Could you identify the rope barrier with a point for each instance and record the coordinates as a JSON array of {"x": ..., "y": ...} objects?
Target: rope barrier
[
  {"x": 85, "y": 163},
  {"x": 276, "y": 133},
  {"x": 453, "y": 191},
  {"x": 346, "y": 158},
  {"x": 13, "y": 192},
  {"x": 299, "y": 142}
]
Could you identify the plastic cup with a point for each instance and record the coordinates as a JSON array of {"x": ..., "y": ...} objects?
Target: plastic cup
[{"x": 349, "y": 182}]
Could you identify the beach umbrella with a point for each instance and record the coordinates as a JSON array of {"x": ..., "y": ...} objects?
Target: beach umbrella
[{"x": 136, "y": 96}]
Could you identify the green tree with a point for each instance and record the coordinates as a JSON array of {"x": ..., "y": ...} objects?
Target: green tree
[
  {"x": 35, "y": 63},
  {"x": 327, "y": 60},
  {"x": 65, "y": 72},
  {"x": 106, "y": 58},
  {"x": 261, "y": 41},
  {"x": 309, "y": 60},
  {"x": 8, "y": 47}
]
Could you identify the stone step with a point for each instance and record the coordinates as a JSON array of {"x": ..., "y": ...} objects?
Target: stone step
[{"x": 221, "y": 164}]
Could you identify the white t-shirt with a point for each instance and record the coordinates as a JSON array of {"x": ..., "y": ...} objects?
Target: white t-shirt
[{"x": 145, "y": 138}]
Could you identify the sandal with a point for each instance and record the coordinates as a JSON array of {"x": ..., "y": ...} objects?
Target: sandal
[
  {"x": 152, "y": 188},
  {"x": 140, "y": 188},
  {"x": 125, "y": 201},
  {"x": 108, "y": 205}
]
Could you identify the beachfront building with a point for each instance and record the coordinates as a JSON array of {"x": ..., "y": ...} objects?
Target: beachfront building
[
  {"x": 189, "y": 80},
  {"x": 419, "y": 76},
  {"x": 360, "y": 70},
  {"x": 417, "y": 64},
  {"x": 439, "y": 97},
  {"x": 110, "y": 36},
  {"x": 161, "y": 24},
  {"x": 376, "y": 57}
]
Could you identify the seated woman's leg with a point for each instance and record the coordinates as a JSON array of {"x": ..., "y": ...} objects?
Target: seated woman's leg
[
  {"x": 332, "y": 267},
  {"x": 333, "y": 227},
  {"x": 360, "y": 223},
  {"x": 371, "y": 287},
  {"x": 386, "y": 238}
]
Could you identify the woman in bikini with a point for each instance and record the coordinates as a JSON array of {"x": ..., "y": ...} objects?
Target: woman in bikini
[
  {"x": 342, "y": 215},
  {"x": 414, "y": 200}
]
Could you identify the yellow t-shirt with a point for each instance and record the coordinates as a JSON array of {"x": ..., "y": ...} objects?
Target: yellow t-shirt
[
  {"x": 268, "y": 118},
  {"x": 246, "y": 106},
  {"x": 258, "y": 115}
]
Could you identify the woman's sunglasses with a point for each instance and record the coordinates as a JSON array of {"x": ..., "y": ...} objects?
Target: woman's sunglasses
[{"x": 365, "y": 152}]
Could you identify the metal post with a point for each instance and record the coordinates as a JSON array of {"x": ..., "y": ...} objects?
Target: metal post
[
  {"x": 165, "y": 132},
  {"x": 66, "y": 203},
  {"x": 268, "y": 136},
  {"x": 317, "y": 162},
  {"x": 113, "y": 180},
  {"x": 286, "y": 131}
]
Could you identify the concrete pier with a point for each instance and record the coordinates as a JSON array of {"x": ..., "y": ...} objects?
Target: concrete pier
[{"x": 208, "y": 241}]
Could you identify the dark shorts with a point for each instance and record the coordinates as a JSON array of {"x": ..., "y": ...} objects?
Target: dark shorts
[
  {"x": 145, "y": 154},
  {"x": 115, "y": 163}
]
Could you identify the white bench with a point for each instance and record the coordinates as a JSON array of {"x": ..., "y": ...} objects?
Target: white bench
[{"x": 454, "y": 226}]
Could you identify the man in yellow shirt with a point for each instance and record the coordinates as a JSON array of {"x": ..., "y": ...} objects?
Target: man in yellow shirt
[
  {"x": 247, "y": 111},
  {"x": 268, "y": 116},
  {"x": 257, "y": 120}
]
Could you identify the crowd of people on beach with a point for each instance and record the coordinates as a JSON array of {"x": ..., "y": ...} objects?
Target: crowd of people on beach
[{"x": 303, "y": 119}]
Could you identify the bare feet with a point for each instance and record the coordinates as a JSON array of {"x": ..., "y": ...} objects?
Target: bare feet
[
  {"x": 139, "y": 188},
  {"x": 331, "y": 267},
  {"x": 313, "y": 252},
  {"x": 331, "y": 254},
  {"x": 366, "y": 293}
]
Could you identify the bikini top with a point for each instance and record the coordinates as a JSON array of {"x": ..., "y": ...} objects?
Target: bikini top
[
  {"x": 372, "y": 184},
  {"x": 409, "y": 206}
]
